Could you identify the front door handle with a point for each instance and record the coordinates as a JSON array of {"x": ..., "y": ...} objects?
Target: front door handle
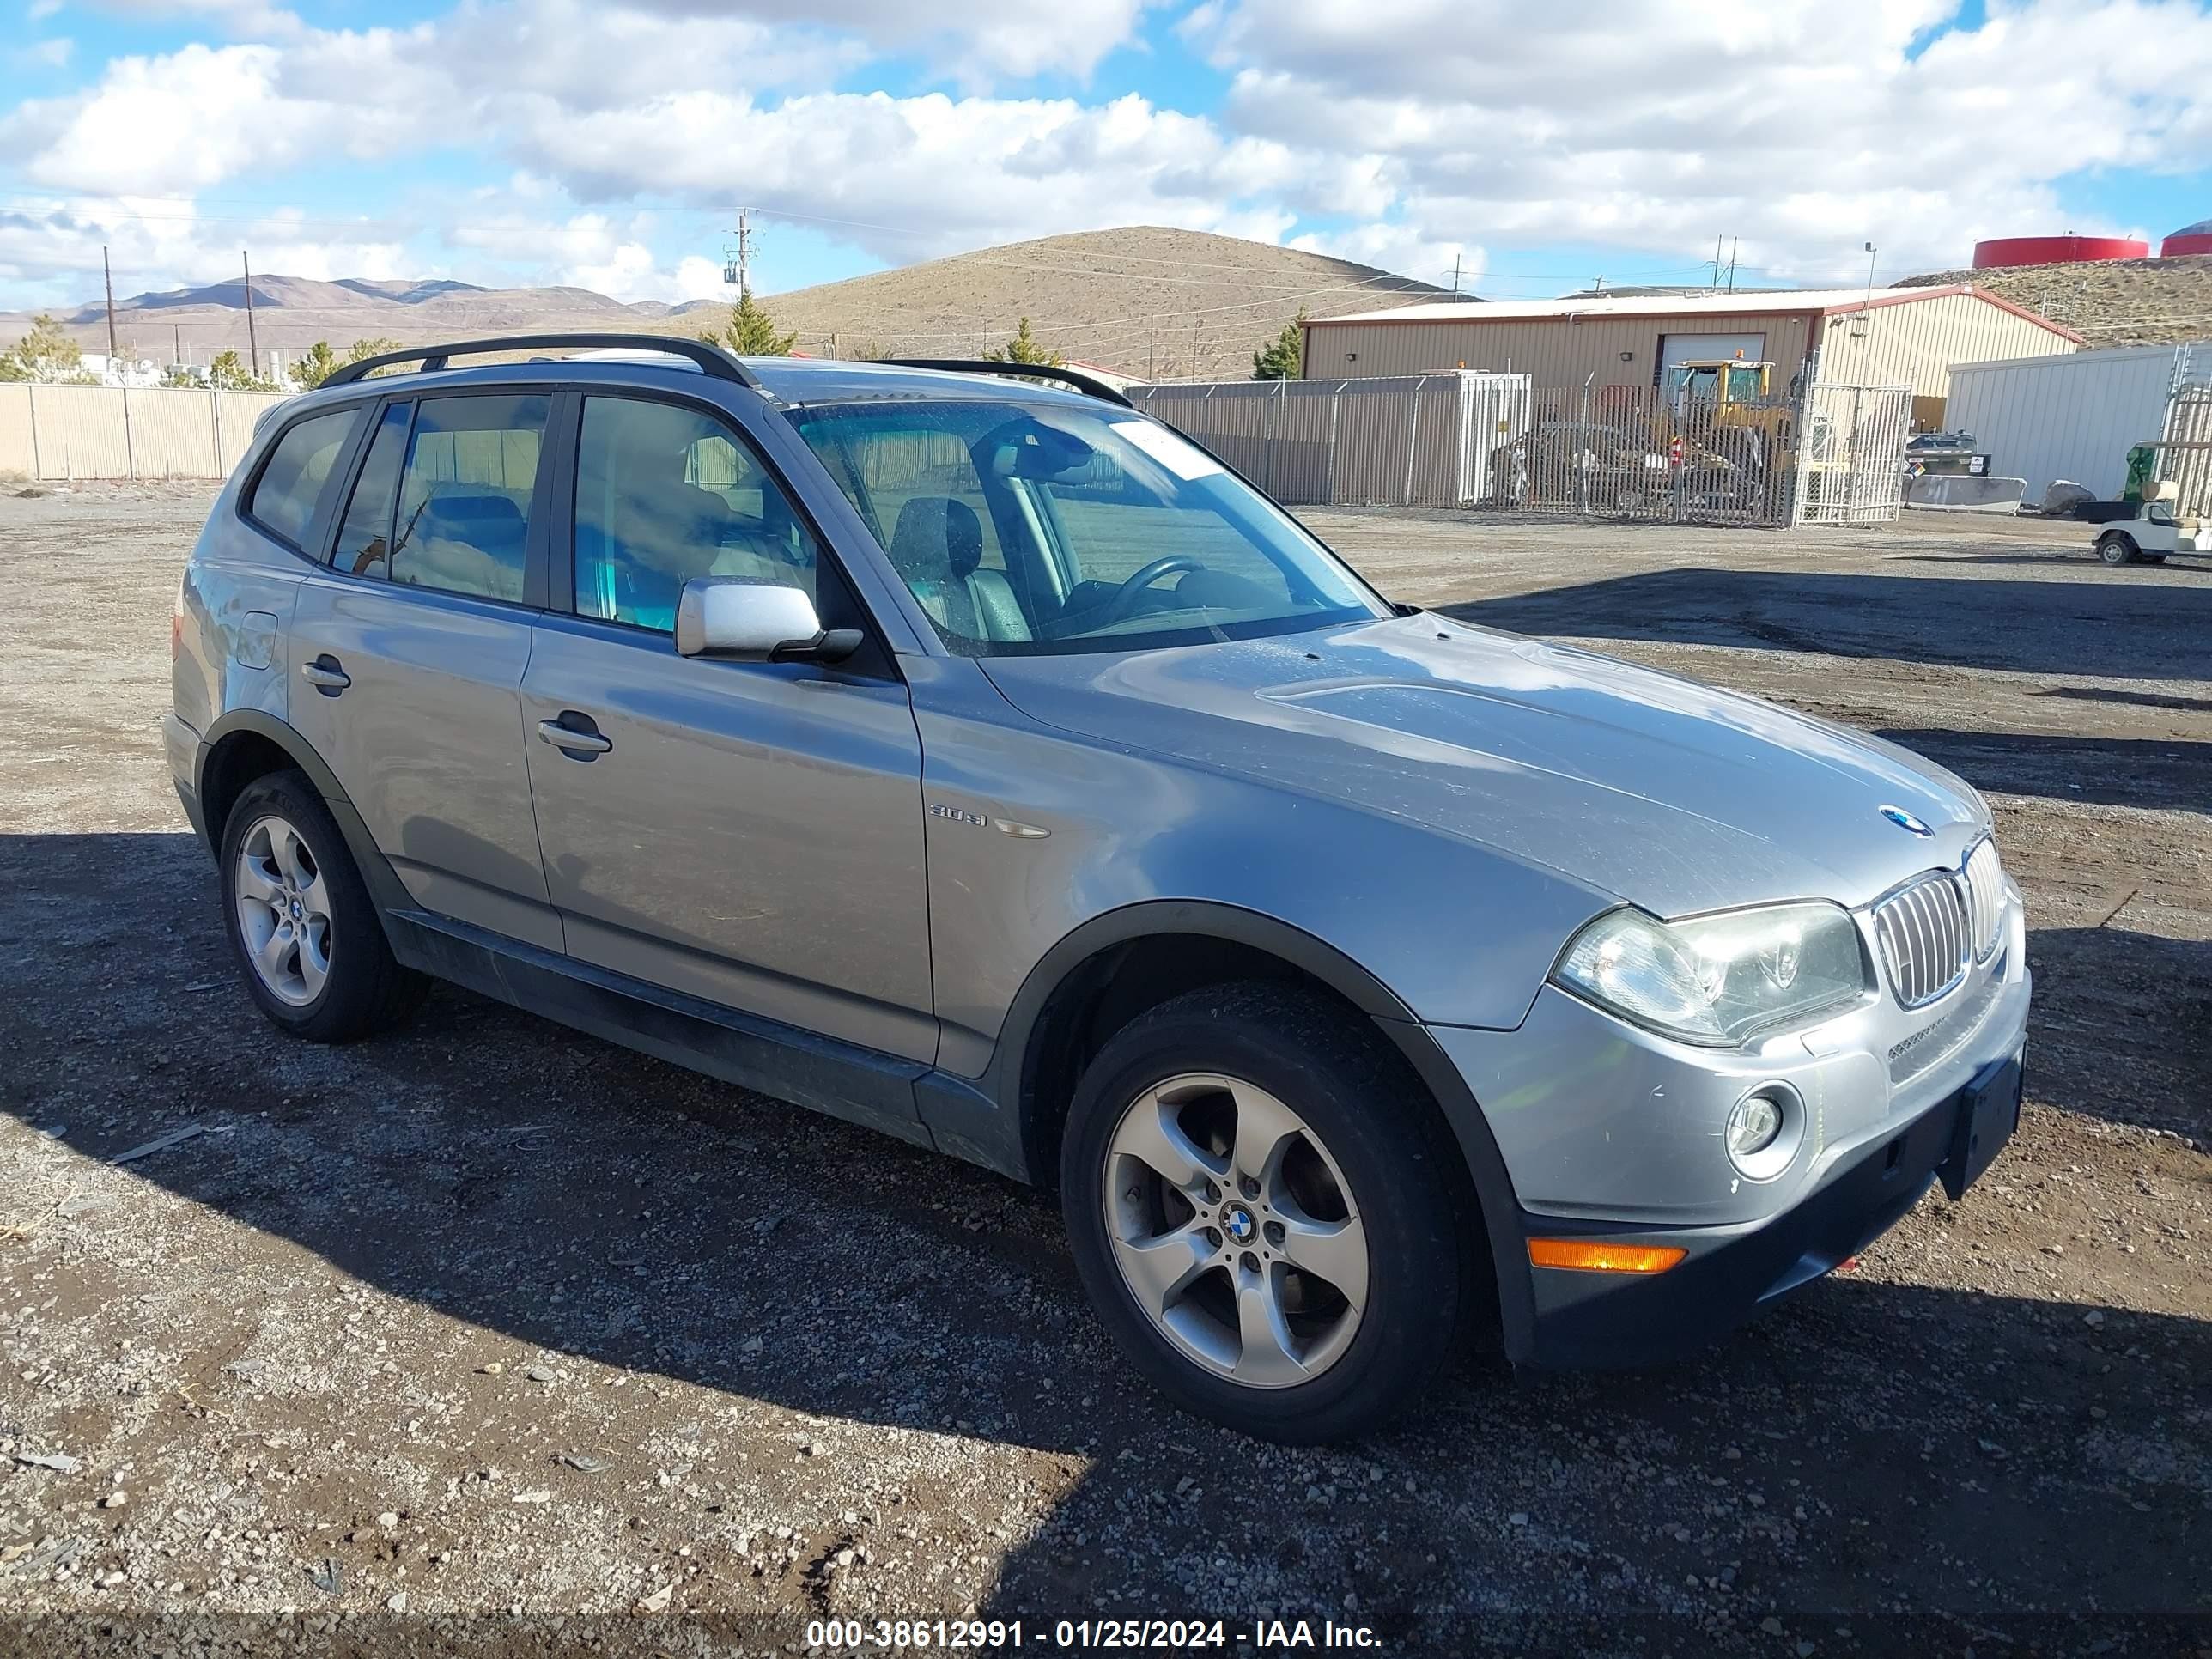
[
  {"x": 325, "y": 675},
  {"x": 574, "y": 733}
]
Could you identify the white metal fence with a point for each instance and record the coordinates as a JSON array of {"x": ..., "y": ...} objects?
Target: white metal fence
[
  {"x": 2183, "y": 454},
  {"x": 60, "y": 433},
  {"x": 1850, "y": 454},
  {"x": 1402, "y": 440}
]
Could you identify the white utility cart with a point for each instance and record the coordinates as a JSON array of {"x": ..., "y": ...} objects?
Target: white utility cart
[{"x": 2151, "y": 534}]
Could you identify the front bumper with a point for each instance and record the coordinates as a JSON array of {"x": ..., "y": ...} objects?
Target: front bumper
[
  {"x": 1602, "y": 1320},
  {"x": 1590, "y": 1129}
]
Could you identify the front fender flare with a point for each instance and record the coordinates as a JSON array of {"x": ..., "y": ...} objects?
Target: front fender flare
[{"x": 1015, "y": 1059}]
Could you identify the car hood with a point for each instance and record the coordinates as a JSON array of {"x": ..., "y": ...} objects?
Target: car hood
[{"x": 1672, "y": 795}]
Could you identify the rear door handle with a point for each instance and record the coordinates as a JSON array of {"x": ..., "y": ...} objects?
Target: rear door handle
[
  {"x": 574, "y": 733},
  {"x": 325, "y": 675}
]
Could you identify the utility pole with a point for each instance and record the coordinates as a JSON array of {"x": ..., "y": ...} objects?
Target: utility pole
[
  {"x": 745, "y": 252},
  {"x": 177, "y": 345},
  {"x": 108, "y": 277},
  {"x": 1734, "y": 242},
  {"x": 252, "y": 344},
  {"x": 1716, "y": 263},
  {"x": 1455, "y": 275}
]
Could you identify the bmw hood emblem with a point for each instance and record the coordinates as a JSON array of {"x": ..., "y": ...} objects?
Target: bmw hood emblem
[{"x": 1905, "y": 820}]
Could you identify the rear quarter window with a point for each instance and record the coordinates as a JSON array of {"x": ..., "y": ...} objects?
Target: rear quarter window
[{"x": 282, "y": 498}]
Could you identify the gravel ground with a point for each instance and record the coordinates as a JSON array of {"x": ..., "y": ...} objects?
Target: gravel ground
[{"x": 489, "y": 1337}]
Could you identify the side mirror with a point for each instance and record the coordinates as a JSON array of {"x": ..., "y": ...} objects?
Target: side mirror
[{"x": 756, "y": 622}]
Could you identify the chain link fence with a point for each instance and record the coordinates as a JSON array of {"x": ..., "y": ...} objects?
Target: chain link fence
[
  {"x": 1393, "y": 441},
  {"x": 1480, "y": 439}
]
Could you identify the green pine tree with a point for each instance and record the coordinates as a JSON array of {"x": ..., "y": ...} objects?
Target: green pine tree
[
  {"x": 1024, "y": 347},
  {"x": 229, "y": 373},
  {"x": 1284, "y": 359},
  {"x": 751, "y": 332},
  {"x": 314, "y": 366}
]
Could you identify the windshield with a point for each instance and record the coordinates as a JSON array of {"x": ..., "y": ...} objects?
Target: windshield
[{"x": 1027, "y": 531}]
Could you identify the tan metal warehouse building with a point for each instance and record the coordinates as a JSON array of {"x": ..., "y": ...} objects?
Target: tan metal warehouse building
[{"x": 1905, "y": 335}]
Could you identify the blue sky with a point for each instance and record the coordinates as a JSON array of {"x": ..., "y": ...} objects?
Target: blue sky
[{"x": 608, "y": 145}]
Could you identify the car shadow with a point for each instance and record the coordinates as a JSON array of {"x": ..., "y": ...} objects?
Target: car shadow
[
  {"x": 2153, "y": 1076},
  {"x": 2134, "y": 630},
  {"x": 1872, "y": 1444},
  {"x": 2158, "y": 773},
  {"x": 2139, "y": 699}
]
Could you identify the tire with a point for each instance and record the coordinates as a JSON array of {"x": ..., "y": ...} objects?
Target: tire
[
  {"x": 1364, "y": 1132},
  {"x": 2113, "y": 548},
  {"x": 301, "y": 923}
]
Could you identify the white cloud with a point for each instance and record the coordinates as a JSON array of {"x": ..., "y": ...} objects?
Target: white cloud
[
  {"x": 1653, "y": 126},
  {"x": 971, "y": 44}
]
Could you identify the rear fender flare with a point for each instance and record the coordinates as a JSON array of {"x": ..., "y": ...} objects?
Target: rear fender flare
[{"x": 384, "y": 884}]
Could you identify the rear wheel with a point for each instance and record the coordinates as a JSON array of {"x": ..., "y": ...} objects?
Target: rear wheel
[
  {"x": 2114, "y": 547},
  {"x": 1261, "y": 1210},
  {"x": 300, "y": 919}
]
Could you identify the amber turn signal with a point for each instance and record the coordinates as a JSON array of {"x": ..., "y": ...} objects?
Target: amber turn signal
[{"x": 1591, "y": 1256}]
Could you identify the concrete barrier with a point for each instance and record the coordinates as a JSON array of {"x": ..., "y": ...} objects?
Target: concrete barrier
[{"x": 1960, "y": 494}]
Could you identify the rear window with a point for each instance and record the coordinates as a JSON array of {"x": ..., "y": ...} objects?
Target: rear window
[
  {"x": 282, "y": 501},
  {"x": 365, "y": 536},
  {"x": 466, "y": 493}
]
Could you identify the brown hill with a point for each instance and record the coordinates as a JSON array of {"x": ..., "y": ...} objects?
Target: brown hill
[
  {"x": 2112, "y": 302},
  {"x": 1151, "y": 301}
]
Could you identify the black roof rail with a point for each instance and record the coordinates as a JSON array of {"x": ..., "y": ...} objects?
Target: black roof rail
[
  {"x": 1074, "y": 377},
  {"x": 711, "y": 359}
]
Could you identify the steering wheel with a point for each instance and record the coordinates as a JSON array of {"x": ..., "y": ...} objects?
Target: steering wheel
[{"x": 1125, "y": 597}]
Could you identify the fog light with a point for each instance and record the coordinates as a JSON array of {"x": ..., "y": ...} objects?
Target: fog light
[{"x": 1753, "y": 1125}]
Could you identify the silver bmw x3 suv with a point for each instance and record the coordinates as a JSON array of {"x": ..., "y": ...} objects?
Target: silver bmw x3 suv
[{"x": 976, "y": 759}]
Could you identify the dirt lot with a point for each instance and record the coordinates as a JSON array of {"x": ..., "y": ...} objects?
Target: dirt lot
[{"x": 498, "y": 1327}]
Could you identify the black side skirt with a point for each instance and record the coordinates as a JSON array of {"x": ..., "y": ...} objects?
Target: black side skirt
[{"x": 860, "y": 1085}]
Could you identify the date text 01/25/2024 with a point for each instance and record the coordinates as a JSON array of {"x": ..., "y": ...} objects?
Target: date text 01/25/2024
[{"x": 1082, "y": 1635}]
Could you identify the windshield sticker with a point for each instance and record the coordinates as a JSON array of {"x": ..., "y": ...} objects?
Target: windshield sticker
[{"x": 1186, "y": 460}]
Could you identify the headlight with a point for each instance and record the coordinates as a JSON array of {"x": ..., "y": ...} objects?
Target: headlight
[{"x": 1716, "y": 979}]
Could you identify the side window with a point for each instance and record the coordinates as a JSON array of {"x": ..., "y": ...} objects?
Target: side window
[
  {"x": 364, "y": 539},
  {"x": 922, "y": 461},
  {"x": 284, "y": 498},
  {"x": 665, "y": 494},
  {"x": 465, "y": 494}
]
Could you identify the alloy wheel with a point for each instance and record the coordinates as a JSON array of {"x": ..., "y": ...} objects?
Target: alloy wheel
[
  {"x": 283, "y": 907},
  {"x": 1235, "y": 1231}
]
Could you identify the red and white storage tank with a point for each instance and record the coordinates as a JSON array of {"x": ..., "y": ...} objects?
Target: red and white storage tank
[
  {"x": 2192, "y": 239},
  {"x": 2069, "y": 250}
]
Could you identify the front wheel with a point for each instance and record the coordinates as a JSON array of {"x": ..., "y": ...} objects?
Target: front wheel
[
  {"x": 1262, "y": 1208},
  {"x": 2114, "y": 548}
]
